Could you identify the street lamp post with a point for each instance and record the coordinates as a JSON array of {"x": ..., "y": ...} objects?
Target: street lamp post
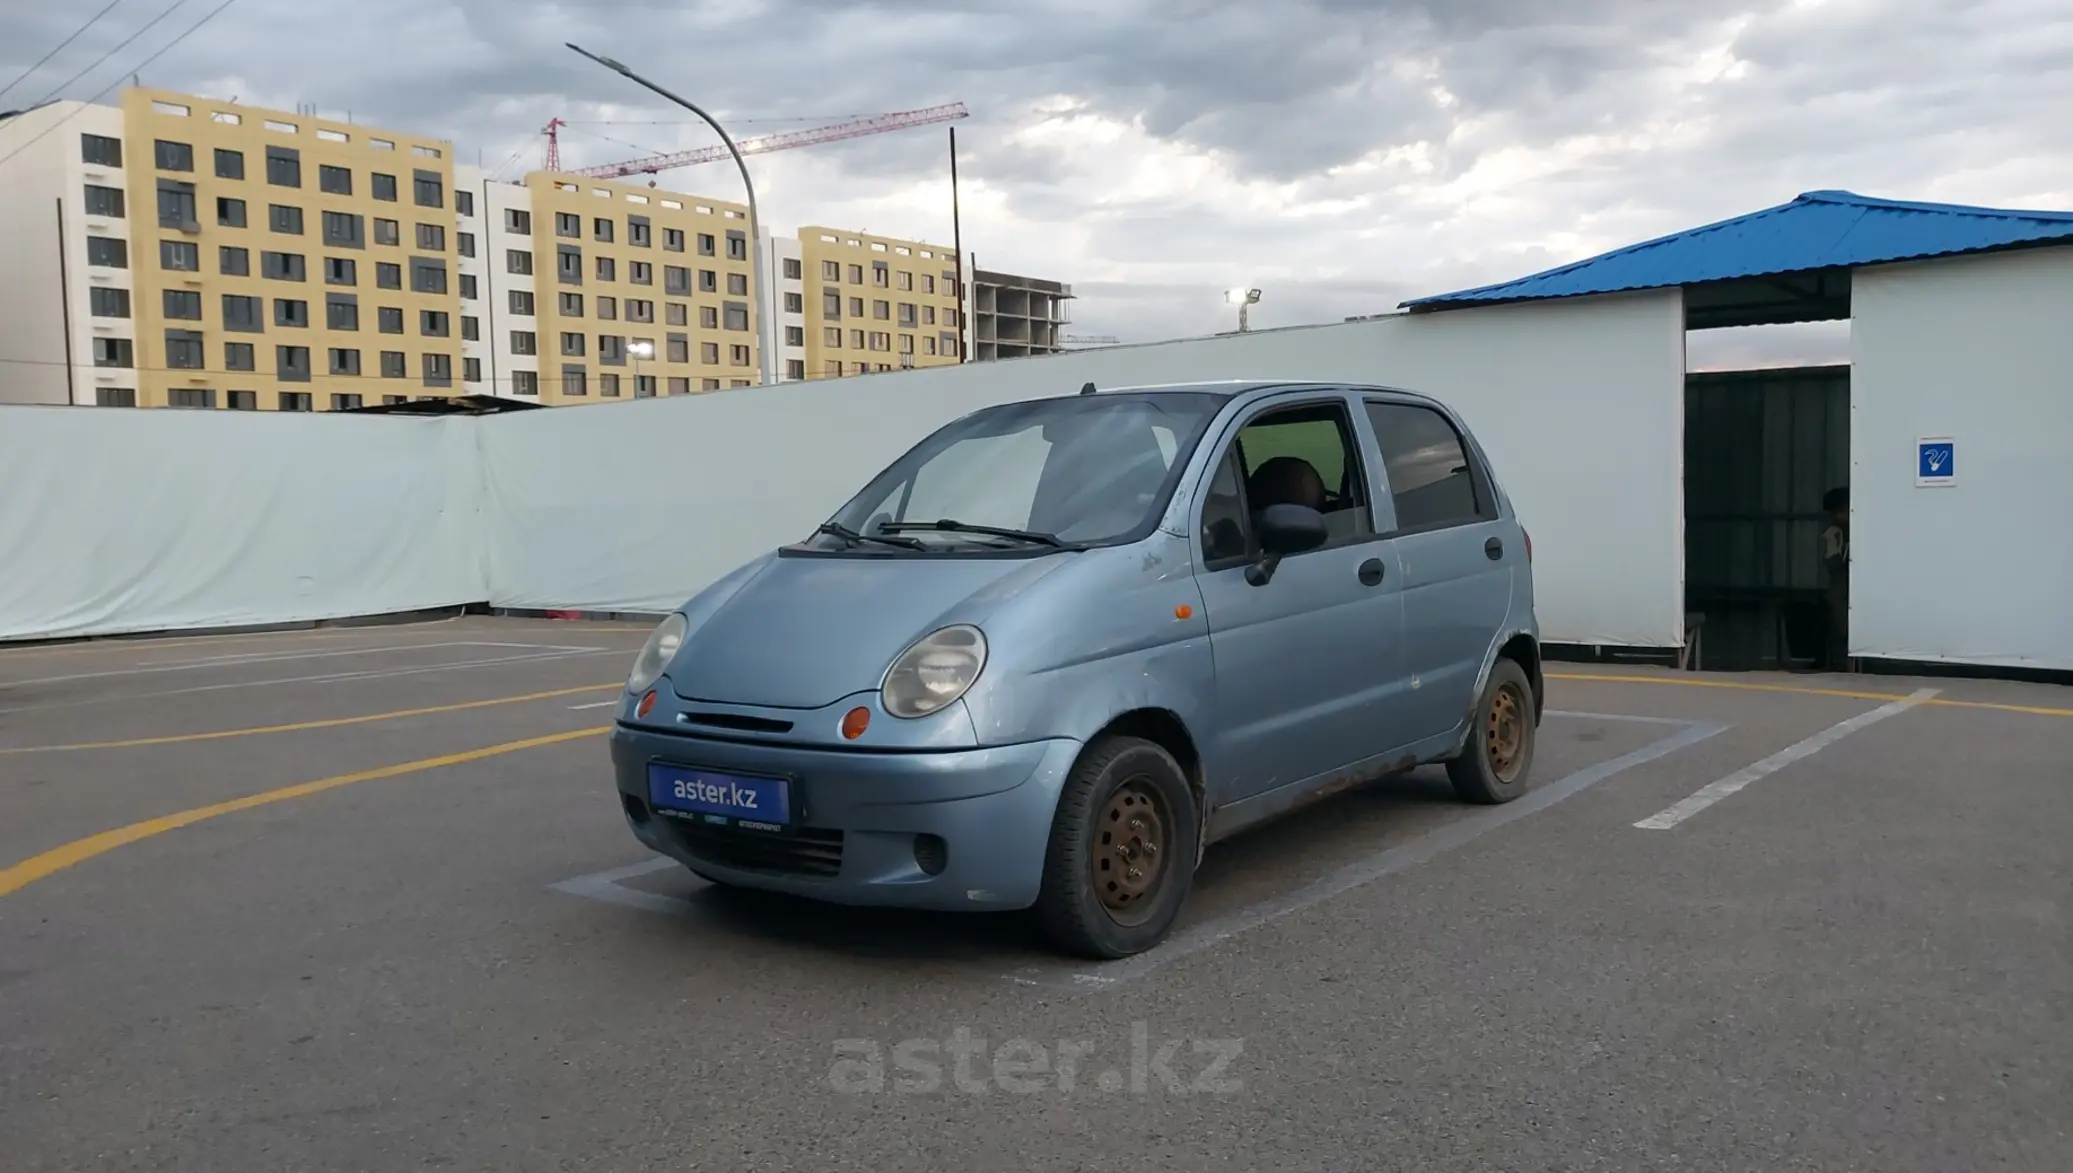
[
  {"x": 761, "y": 278},
  {"x": 1243, "y": 299}
]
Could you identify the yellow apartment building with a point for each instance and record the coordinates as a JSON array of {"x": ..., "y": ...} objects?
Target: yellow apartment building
[
  {"x": 876, "y": 303},
  {"x": 637, "y": 292},
  {"x": 286, "y": 262}
]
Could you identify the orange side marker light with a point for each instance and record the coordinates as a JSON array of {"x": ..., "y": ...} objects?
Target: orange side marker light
[
  {"x": 1183, "y": 611},
  {"x": 855, "y": 722},
  {"x": 647, "y": 704}
]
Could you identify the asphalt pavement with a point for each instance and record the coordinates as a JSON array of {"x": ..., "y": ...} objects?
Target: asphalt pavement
[{"x": 363, "y": 899}]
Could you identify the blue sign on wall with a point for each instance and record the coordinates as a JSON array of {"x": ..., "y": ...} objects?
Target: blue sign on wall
[{"x": 1936, "y": 460}]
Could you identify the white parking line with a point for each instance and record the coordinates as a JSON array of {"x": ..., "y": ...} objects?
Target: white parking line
[
  {"x": 1715, "y": 791},
  {"x": 596, "y": 705},
  {"x": 606, "y": 886}
]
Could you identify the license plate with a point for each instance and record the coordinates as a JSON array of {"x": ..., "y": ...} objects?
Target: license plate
[{"x": 717, "y": 796}]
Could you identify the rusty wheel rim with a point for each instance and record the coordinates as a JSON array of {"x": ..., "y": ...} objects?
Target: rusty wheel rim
[
  {"x": 1129, "y": 860},
  {"x": 1504, "y": 734}
]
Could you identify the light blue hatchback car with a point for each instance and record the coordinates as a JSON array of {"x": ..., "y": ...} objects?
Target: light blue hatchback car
[{"x": 1060, "y": 646}]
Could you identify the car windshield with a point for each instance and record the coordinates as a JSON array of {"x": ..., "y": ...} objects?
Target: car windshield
[{"x": 1076, "y": 470}]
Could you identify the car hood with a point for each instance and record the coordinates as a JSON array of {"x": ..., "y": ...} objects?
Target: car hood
[{"x": 804, "y": 632}]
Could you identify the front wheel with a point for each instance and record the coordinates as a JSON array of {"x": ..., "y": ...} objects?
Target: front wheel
[
  {"x": 1122, "y": 854},
  {"x": 1493, "y": 765}
]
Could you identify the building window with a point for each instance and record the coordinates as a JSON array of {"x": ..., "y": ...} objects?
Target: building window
[
  {"x": 429, "y": 188},
  {"x": 293, "y": 400},
  {"x": 907, "y": 321},
  {"x": 427, "y": 275},
  {"x": 383, "y": 186},
  {"x": 284, "y": 219},
  {"x": 881, "y": 276},
  {"x": 738, "y": 284},
  {"x": 518, "y": 260},
  {"x": 471, "y": 328},
  {"x": 341, "y": 271},
  {"x": 471, "y": 370},
  {"x": 336, "y": 180},
  {"x": 521, "y": 301},
  {"x": 856, "y": 274},
  {"x": 176, "y": 205},
  {"x": 928, "y": 345},
  {"x": 856, "y": 307},
  {"x": 737, "y": 316},
  {"x": 572, "y": 305},
  {"x": 230, "y": 164},
  {"x": 708, "y": 384},
  {"x": 639, "y": 310},
  {"x": 574, "y": 380},
  {"x": 739, "y": 355},
  {"x": 611, "y": 350},
  {"x": 881, "y": 340},
  {"x": 464, "y": 202},
  {"x": 707, "y": 245},
  {"x": 394, "y": 365},
  {"x": 526, "y": 342},
  {"x": 525, "y": 382},
  {"x": 433, "y": 323},
  {"x": 282, "y": 266},
  {"x": 345, "y": 361},
  {"x": 572, "y": 345},
  {"x": 928, "y": 283},
  {"x": 675, "y": 278},
  {"x": 468, "y": 287},
  {"x": 638, "y": 233},
  {"x": 180, "y": 256},
  {"x": 644, "y": 386},
  {"x": 113, "y": 352},
  {"x": 677, "y": 313},
  {"x": 709, "y": 316},
  {"x": 795, "y": 335},
  {"x": 601, "y": 228},
  {"x": 856, "y": 339},
  {"x": 172, "y": 156},
  {"x": 99, "y": 150},
  {"x": 607, "y": 269},
  {"x": 239, "y": 356},
  {"x": 640, "y": 273},
  {"x": 831, "y": 305},
  {"x": 709, "y": 353},
  {"x": 672, "y": 240},
  {"x": 182, "y": 305},
  {"x": 882, "y": 310},
  {"x": 431, "y": 237},
  {"x": 832, "y": 336},
  {"x": 292, "y": 364},
  {"x": 607, "y": 309},
  {"x": 679, "y": 385},
  {"x": 389, "y": 319},
  {"x": 608, "y": 385},
  {"x": 568, "y": 264},
  {"x": 831, "y": 271},
  {"x": 792, "y": 270},
  {"x": 387, "y": 232},
  {"x": 345, "y": 229},
  {"x": 906, "y": 280},
  {"x": 283, "y": 167},
  {"x": 341, "y": 311},
  {"x": 795, "y": 368},
  {"x": 518, "y": 222},
  {"x": 107, "y": 252},
  {"x": 388, "y": 275},
  {"x": 103, "y": 201},
  {"x": 737, "y": 246},
  {"x": 106, "y": 302},
  {"x": 464, "y": 243},
  {"x": 244, "y": 400},
  {"x": 906, "y": 344},
  {"x": 795, "y": 303},
  {"x": 568, "y": 225},
  {"x": 928, "y": 315},
  {"x": 345, "y": 400},
  {"x": 230, "y": 212},
  {"x": 679, "y": 348},
  {"x": 290, "y": 311}
]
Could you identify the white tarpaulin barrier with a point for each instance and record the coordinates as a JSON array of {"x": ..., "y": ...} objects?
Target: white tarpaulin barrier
[
  {"x": 636, "y": 506},
  {"x": 118, "y": 521}
]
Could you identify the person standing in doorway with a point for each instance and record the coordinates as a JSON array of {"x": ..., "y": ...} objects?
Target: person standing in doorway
[{"x": 1835, "y": 557}]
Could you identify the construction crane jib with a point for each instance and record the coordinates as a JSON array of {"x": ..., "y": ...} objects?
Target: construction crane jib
[{"x": 858, "y": 128}]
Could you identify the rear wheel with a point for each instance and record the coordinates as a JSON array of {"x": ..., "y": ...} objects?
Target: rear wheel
[
  {"x": 1494, "y": 764},
  {"x": 1122, "y": 854}
]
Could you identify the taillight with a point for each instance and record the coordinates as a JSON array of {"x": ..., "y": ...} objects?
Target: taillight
[{"x": 1528, "y": 535}]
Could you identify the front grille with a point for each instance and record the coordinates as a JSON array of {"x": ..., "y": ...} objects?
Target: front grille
[{"x": 805, "y": 852}]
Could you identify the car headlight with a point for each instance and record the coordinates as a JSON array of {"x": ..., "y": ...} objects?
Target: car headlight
[
  {"x": 934, "y": 672},
  {"x": 656, "y": 654}
]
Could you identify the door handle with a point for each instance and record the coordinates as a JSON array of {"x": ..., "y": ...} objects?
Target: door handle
[
  {"x": 1494, "y": 548},
  {"x": 1371, "y": 572}
]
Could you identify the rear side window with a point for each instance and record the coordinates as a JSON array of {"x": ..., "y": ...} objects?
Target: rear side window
[{"x": 1431, "y": 478}]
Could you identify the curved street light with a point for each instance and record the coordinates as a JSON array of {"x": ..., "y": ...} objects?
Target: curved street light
[{"x": 761, "y": 278}]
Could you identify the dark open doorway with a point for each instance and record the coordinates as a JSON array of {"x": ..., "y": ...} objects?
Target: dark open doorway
[{"x": 1762, "y": 449}]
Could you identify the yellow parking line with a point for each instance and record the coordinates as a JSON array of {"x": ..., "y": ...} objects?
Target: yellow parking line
[
  {"x": 1747, "y": 686},
  {"x": 298, "y": 726},
  {"x": 37, "y": 867}
]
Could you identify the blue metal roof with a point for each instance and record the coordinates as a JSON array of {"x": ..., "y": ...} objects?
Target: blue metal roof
[{"x": 1818, "y": 230}]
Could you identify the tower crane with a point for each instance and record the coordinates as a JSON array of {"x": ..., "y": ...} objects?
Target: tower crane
[{"x": 834, "y": 132}]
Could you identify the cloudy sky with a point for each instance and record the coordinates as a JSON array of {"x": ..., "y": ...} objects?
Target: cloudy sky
[{"x": 1339, "y": 154}]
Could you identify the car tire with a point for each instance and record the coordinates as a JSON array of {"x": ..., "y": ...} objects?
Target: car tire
[
  {"x": 1498, "y": 756},
  {"x": 1101, "y": 896}
]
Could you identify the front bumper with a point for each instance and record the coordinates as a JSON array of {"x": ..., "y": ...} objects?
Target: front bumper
[{"x": 860, "y": 816}]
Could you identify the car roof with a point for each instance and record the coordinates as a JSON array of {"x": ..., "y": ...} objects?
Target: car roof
[{"x": 1234, "y": 388}]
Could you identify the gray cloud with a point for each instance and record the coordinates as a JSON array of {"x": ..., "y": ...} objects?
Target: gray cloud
[{"x": 1341, "y": 154}]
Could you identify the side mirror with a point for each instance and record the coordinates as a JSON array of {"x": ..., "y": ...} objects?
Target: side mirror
[{"x": 1285, "y": 530}]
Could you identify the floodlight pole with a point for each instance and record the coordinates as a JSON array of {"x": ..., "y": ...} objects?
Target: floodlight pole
[{"x": 761, "y": 278}]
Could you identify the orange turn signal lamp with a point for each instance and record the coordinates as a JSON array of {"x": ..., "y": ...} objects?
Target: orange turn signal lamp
[
  {"x": 855, "y": 722},
  {"x": 647, "y": 704}
]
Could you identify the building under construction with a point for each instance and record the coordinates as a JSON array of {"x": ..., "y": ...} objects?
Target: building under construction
[{"x": 1014, "y": 317}]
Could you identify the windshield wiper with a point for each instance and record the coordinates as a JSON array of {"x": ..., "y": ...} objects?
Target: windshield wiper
[
  {"x": 837, "y": 530},
  {"x": 949, "y": 525}
]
